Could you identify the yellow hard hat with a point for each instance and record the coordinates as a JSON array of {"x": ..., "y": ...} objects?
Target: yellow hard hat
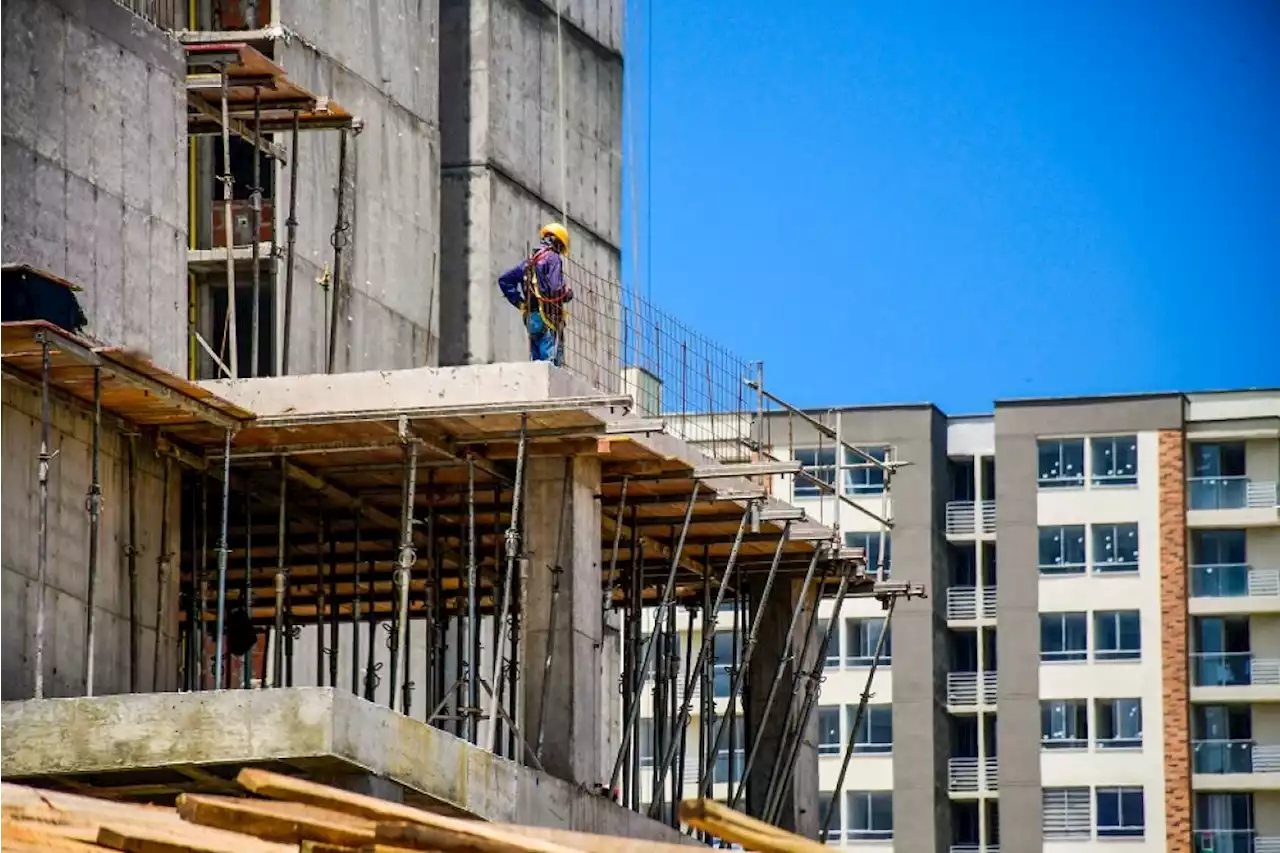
[{"x": 555, "y": 229}]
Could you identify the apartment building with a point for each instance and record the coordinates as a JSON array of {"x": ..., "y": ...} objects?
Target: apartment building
[{"x": 1098, "y": 663}]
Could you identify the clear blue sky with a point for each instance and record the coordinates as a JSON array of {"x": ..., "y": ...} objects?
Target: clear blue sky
[{"x": 958, "y": 202}]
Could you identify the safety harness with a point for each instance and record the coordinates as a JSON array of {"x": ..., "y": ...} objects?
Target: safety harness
[{"x": 550, "y": 308}]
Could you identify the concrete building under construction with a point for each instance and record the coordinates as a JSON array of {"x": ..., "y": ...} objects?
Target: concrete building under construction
[{"x": 338, "y": 525}]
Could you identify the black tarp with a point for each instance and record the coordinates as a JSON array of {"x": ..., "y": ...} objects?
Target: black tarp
[{"x": 29, "y": 294}]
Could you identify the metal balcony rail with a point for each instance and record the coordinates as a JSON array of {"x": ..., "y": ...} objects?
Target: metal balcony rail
[
  {"x": 1233, "y": 669},
  {"x": 963, "y": 687},
  {"x": 972, "y": 774},
  {"x": 1231, "y": 493},
  {"x": 964, "y": 518},
  {"x": 974, "y": 848},
  {"x": 1235, "y": 841},
  {"x": 1233, "y": 580},
  {"x": 622, "y": 343},
  {"x": 159, "y": 13},
  {"x": 963, "y": 602}
]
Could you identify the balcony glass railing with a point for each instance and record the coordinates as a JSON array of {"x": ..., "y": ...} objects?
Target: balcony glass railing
[
  {"x": 1235, "y": 841},
  {"x": 1232, "y": 669},
  {"x": 1231, "y": 493},
  {"x": 1233, "y": 580},
  {"x": 1222, "y": 756}
]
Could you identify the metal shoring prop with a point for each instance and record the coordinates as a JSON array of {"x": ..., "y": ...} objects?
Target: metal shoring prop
[
  {"x": 357, "y": 607},
  {"x": 556, "y": 571},
  {"x": 93, "y": 504},
  {"x": 779, "y": 672},
  {"x": 291, "y": 240},
  {"x": 222, "y": 555},
  {"x": 333, "y": 607},
  {"x": 407, "y": 555},
  {"x": 227, "y": 181},
  {"x": 255, "y": 205},
  {"x": 783, "y": 772},
  {"x": 637, "y": 629},
  {"x": 628, "y": 654},
  {"x": 430, "y": 598},
  {"x": 680, "y": 724},
  {"x": 732, "y": 706},
  {"x": 663, "y": 604},
  {"x": 857, "y": 719},
  {"x": 708, "y": 642},
  {"x": 338, "y": 240},
  {"x": 282, "y": 577},
  {"x": 371, "y": 677},
  {"x": 748, "y": 650},
  {"x": 131, "y": 556},
  {"x": 323, "y": 569},
  {"x": 42, "y": 473},
  {"x": 707, "y": 687},
  {"x": 246, "y": 663},
  {"x": 202, "y": 578},
  {"x": 512, "y": 545},
  {"x": 163, "y": 566},
  {"x": 613, "y": 558},
  {"x": 473, "y": 612}
]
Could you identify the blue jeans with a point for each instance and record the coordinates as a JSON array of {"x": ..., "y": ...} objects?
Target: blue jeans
[{"x": 544, "y": 341}]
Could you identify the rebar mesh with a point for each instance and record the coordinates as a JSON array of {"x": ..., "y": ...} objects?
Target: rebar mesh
[
  {"x": 622, "y": 343},
  {"x": 161, "y": 13}
]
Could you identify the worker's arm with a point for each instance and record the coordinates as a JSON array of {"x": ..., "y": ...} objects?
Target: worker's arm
[
  {"x": 511, "y": 283},
  {"x": 552, "y": 273}
]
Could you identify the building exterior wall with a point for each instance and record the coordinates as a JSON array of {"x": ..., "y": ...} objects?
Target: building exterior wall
[{"x": 94, "y": 158}]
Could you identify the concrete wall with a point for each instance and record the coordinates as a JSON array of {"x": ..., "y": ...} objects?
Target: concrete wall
[
  {"x": 65, "y": 594},
  {"x": 378, "y": 59},
  {"x": 501, "y": 124},
  {"x": 94, "y": 161}
]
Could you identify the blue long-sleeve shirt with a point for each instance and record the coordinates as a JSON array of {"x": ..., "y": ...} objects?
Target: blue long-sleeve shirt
[{"x": 550, "y": 272}]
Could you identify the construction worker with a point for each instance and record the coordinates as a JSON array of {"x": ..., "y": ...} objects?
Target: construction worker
[{"x": 537, "y": 287}]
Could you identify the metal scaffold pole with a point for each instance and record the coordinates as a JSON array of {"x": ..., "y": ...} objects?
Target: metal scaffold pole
[
  {"x": 93, "y": 503},
  {"x": 255, "y": 204},
  {"x": 163, "y": 569},
  {"x": 42, "y": 533},
  {"x": 291, "y": 240},
  {"x": 222, "y": 562},
  {"x": 282, "y": 573},
  {"x": 406, "y": 557},
  {"x": 233, "y": 348},
  {"x": 471, "y": 673},
  {"x": 512, "y": 545}
]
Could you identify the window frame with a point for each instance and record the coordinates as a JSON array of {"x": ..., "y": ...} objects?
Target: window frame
[
  {"x": 1115, "y": 567},
  {"x": 869, "y": 541},
  {"x": 870, "y": 832},
  {"x": 814, "y": 461},
  {"x": 826, "y": 747},
  {"x": 1111, "y": 710},
  {"x": 1062, "y": 568},
  {"x": 1119, "y": 653},
  {"x": 862, "y": 745},
  {"x": 1112, "y": 480},
  {"x": 1064, "y": 655},
  {"x": 1075, "y": 718},
  {"x": 859, "y": 478},
  {"x": 1123, "y": 829},
  {"x": 853, "y": 661},
  {"x": 1060, "y": 481}
]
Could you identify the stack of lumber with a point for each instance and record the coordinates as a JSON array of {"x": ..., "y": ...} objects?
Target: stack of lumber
[{"x": 281, "y": 814}]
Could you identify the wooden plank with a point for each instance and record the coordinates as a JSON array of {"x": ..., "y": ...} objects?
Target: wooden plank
[
  {"x": 15, "y": 835},
  {"x": 736, "y": 827},
  {"x": 280, "y": 787},
  {"x": 321, "y": 847},
  {"x": 183, "y": 837},
  {"x": 289, "y": 823}
]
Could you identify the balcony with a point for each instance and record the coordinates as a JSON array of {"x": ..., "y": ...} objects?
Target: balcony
[
  {"x": 963, "y": 688},
  {"x": 1234, "y": 677},
  {"x": 1235, "y": 765},
  {"x": 1235, "y": 841},
  {"x": 965, "y": 602},
  {"x": 1233, "y": 501},
  {"x": 1234, "y": 588},
  {"x": 970, "y": 775},
  {"x": 965, "y": 518}
]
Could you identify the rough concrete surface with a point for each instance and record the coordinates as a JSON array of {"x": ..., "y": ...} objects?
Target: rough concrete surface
[
  {"x": 94, "y": 161},
  {"x": 378, "y": 59},
  {"x": 85, "y": 736},
  {"x": 66, "y": 591}
]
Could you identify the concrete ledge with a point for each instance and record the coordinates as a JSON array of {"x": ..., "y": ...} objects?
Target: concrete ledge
[{"x": 307, "y": 727}]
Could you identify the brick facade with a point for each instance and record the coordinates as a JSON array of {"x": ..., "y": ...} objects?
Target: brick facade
[{"x": 1174, "y": 642}]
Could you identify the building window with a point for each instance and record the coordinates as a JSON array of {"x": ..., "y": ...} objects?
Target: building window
[
  {"x": 723, "y": 768},
  {"x": 1224, "y": 822},
  {"x": 862, "y": 477},
  {"x": 861, "y": 638},
  {"x": 1119, "y": 723},
  {"x": 875, "y": 730},
  {"x": 1062, "y": 550},
  {"x": 1219, "y": 563},
  {"x": 1064, "y": 724},
  {"x": 829, "y": 742},
  {"x": 1061, "y": 463},
  {"x": 646, "y": 742},
  {"x": 1115, "y": 548},
  {"x": 826, "y": 802},
  {"x": 1117, "y": 635},
  {"x": 819, "y": 463},
  {"x": 1218, "y": 478},
  {"x": 870, "y": 544},
  {"x": 833, "y": 647},
  {"x": 723, "y": 648},
  {"x": 870, "y": 815},
  {"x": 1064, "y": 637},
  {"x": 1115, "y": 460},
  {"x": 1120, "y": 813},
  {"x": 1065, "y": 813}
]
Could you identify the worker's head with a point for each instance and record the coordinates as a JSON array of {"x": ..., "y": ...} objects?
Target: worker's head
[{"x": 555, "y": 236}]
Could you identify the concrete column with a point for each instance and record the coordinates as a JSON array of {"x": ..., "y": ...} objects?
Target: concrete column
[
  {"x": 564, "y": 702},
  {"x": 800, "y": 808}
]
